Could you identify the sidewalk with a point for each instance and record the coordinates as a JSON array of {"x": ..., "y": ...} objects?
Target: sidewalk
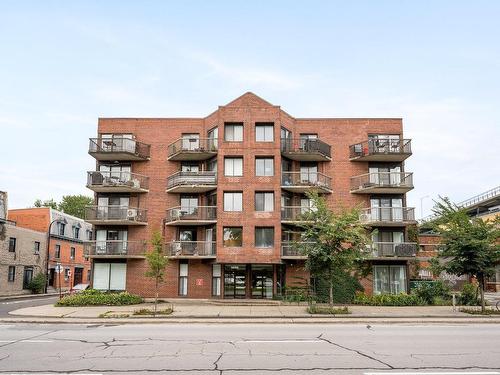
[
  {"x": 206, "y": 311},
  {"x": 28, "y": 296}
]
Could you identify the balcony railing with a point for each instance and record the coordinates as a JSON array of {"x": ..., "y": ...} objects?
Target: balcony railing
[
  {"x": 192, "y": 149},
  {"x": 388, "y": 216},
  {"x": 382, "y": 182},
  {"x": 293, "y": 213},
  {"x": 309, "y": 149},
  {"x": 393, "y": 249},
  {"x": 293, "y": 249},
  {"x": 304, "y": 181},
  {"x": 118, "y": 148},
  {"x": 115, "y": 248},
  {"x": 185, "y": 182},
  {"x": 107, "y": 181},
  {"x": 192, "y": 215},
  {"x": 115, "y": 215},
  {"x": 381, "y": 150},
  {"x": 191, "y": 248}
]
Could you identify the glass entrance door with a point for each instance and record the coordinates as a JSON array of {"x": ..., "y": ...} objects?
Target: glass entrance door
[
  {"x": 235, "y": 277},
  {"x": 262, "y": 281}
]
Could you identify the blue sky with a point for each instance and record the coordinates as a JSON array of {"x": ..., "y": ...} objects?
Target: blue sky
[{"x": 64, "y": 64}]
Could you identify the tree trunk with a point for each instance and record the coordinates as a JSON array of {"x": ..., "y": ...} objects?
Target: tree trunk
[
  {"x": 156, "y": 296},
  {"x": 481, "y": 292},
  {"x": 330, "y": 292}
]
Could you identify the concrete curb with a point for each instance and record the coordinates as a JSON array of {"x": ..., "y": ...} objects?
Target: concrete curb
[{"x": 28, "y": 296}]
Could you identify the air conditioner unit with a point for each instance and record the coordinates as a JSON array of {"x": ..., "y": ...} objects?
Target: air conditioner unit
[
  {"x": 135, "y": 183},
  {"x": 364, "y": 218},
  {"x": 175, "y": 214},
  {"x": 131, "y": 214}
]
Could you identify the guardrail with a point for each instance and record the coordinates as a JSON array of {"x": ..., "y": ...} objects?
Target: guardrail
[
  {"x": 312, "y": 179},
  {"x": 194, "y": 213},
  {"x": 119, "y": 144},
  {"x": 192, "y": 178},
  {"x": 117, "y": 179},
  {"x": 387, "y": 214},
  {"x": 114, "y": 248},
  {"x": 394, "y": 249},
  {"x": 382, "y": 179},
  {"x": 192, "y": 145},
  {"x": 115, "y": 213},
  {"x": 308, "y": 145},
  {"x": 380, "y": 146},
  {"x": 191, "y": 248}
]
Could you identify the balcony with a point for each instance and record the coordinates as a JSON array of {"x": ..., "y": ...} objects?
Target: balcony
[
  {"x": 117, "y": 182},
  {"x": 306, "y": 149},
  {"x": 290, "y": 250},
  {"x": 115, "y": 249},
  {"x": 191, "y": 249},
  {"x": 293, "y": 214},
  {"x": 396, "y": 150},
  {"x": 192, "y": 149},
  {"x": 115, "y": 215},
  {"x": 382, "y": 183},
  {"x": 192, "y": 182},
  {"x": 393, "y": 250},
  {"x": 301, "y": 182},
  {"x": 119, "y": 148},
  {"x": 388, "y": 216},
  {"x": 198, "y": 215}
]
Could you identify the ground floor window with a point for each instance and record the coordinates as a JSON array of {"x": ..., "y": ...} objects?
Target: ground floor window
[
  {"x": 216, "y": 279},
  {"x": 389, "y": 279},
  {"x": 183, "y": 279},
  {"x": 12, "y": 274},
  {"x": 110, "y": 276}
]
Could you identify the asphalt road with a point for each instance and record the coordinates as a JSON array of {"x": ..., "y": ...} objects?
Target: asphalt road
[
  {"x": 250, "y": 349},
  {"x": 19, "y": 303}
]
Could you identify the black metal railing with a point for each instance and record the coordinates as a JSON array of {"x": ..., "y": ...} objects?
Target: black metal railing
[
  {"x": 115, "y": 213},
  {"x": 387, "y": 214},
  {"x": 294, "y": 213},
  {"x": 191, "y": 248},
  {"x": 306, "y": 146},
  {"x": 192, "y": 213},
  {"x": 115, "y": 248},
  {"x": 119, "y": 144},
  {"x": 394, "y": 249},
  {"x": 312, "y": 179},
  {"x": 382, "y": 179},
  {"x": 192, "y": 178},
  {"x": 380, "y": 146},
  {"x": 293, "y": 249},
  {"x": 117, "y": 179},
  {"x": 193, "y": 145}
]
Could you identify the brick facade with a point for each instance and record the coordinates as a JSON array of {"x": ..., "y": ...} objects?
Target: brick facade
[{"x": 249, "y": 110}]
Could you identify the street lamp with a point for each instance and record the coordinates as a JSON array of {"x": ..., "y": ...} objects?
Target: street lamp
[
  {"x": 58, "y": 220},
  {"x": 422, "y": 205}
]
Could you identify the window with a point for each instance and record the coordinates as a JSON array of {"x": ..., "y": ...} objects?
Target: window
[
  {"x": 264, "y": 132},
  {"x": 12, "y": 274},
  {"x": 76, "y": 232},
  {"x": 233, "y": 201},
  {"x": 190, "y": 167},
  {"x": 264, "y": 237},
  {"x": 213, "y": 135},
  {"x": 72, "y": 253},
  {"x": 89, "y": 234},
  {"x": 57, "y": 253},
  {"x": 67, "y": 273},
  {"x": 264, "y": 201},
  {"x": 389, "y": 279},
  {"x": 233, "y": 132},
  {"x": 190, "y": 142},
  {"x": 60, "y": 228},
  {"x": 264, "y": 166},
  {"x": 233, "y": 236},
  {"x": 183, "y": 279},
  {"x": 189, "y": 204},
  {"x": 216, "y": 279},
  {"x": 233, "y": 166},
  {"x": 12, "y": 244},
  {"x": 37, "y": 248}
]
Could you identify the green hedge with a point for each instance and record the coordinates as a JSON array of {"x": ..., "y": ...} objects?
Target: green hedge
[
  {"x": 94, "y": 297},
  {"x": 434, "y": 293},
  {"x": 345, "y": 288},
  {"x": 389, "y": 300}
]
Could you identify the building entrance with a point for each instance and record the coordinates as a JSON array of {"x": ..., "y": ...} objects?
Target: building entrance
[{"x": 235, "y": 281}]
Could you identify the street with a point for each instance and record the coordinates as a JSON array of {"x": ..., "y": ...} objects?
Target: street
[
  {"x": 250, "y": 348},
  {"x": 18, "y": 303}
]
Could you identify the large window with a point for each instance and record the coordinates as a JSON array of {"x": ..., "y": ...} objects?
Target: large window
[
  {"x": 264, "y": 132},
  {"x": 76, "y": 232},
  {"x": 216, "y": 279},
  {"x": 183, "y": 279},
  {"x": 37, "y": 248},
  {"x": 57, "y": 253},
  {"x": 264, "y": 166},
  {"x": 264, "y": 237},
  {"x": 12, "y": 244},
  {"x": 61, "y": 228},
  {"x": 12, "y": 274},
  {"x": 233, "y": 167},
  {"x": 389, "y": 279},
  {"x": 72, "y": 253},
  {"x": 233, "y": 201},
  {"x": 233, "y": 236},
  {"x": 233, "y": 132},
  {"x": 264, "y": 201}
]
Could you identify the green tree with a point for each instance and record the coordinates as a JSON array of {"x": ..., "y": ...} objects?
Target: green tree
[
  {"x": 75, "y": 204},
  {"x": 46, "y": 203},
  {"x": 469, "y": 245},
  {"x": 335, "y": 243},
  {"x": 157, "y": 261}
]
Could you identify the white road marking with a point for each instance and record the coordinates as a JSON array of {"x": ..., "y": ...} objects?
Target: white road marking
[
  {"x": 30, "y": 341},
  {"x": 281, "y": 341},
  {"x": 435, "y": 373}
]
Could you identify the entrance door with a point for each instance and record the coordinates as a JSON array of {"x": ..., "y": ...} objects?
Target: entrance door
[
  {"x": 78, "y": 278},
  {"x": 235, "y": 281},
  {"x": 262, "y": 281},
  {"x": 52, "y": 277},
  {"x": 28, "y": 276}
]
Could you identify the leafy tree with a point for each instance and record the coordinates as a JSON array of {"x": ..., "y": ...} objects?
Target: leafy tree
[
  {"x": 46, "y": 203},
  {"x": 157, "y": 261},
  {"x": 75, "y": 204},
  {"x": 335, "y": 243},
  {"x": 469, "y": 245}
]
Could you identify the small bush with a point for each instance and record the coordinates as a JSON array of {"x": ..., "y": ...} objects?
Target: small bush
[
  {"x": 37, "y": 283},
  {"x": 93, "y": 297},
  {"x": 166, "y": 311},
  {"x": 315, "y": 309},
  {"x": 473, "y": 311},
  {"x": 469, "y": 295},
  {"x": 433, "y": 293},
  {"x": 389, "y": 300}
]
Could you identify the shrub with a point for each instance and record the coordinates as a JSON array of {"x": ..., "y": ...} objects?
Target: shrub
[
  {"x": 469, "y": 295},
  {"x": 389, "y": 300},
  {"x": 315, "y": 309},
  {"x": 166, "y": 311},
  {"x": 94, "y": 297},
  {"x": 37, "y": 283},
  {"x": 478, "y": 311},
  {"x": 433, "y": 292},
  {"x": 344, "y": 290}
]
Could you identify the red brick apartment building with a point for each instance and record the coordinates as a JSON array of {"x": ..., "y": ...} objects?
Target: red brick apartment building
[
  {"x": 227, "y": 190},
  {"x": 67, "y": 234}
]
